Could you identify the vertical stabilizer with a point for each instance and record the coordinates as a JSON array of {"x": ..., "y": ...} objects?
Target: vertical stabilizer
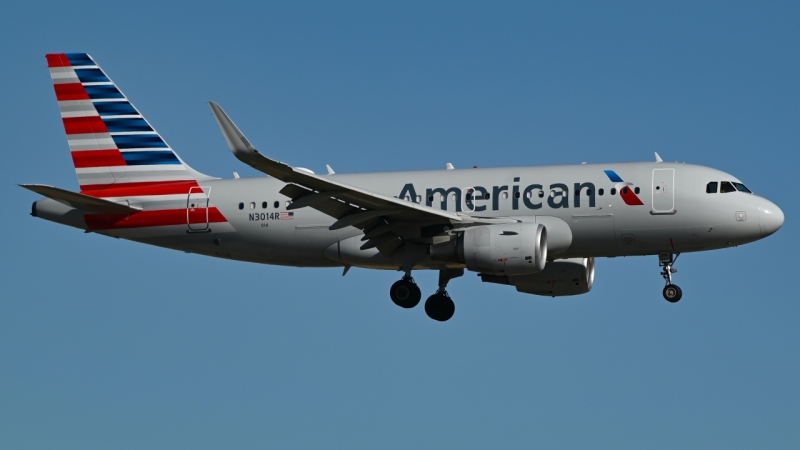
[{"x": 113, "y": 146}]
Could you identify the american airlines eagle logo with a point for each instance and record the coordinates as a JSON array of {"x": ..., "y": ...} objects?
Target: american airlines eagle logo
[{"x": 626, "y": 192}]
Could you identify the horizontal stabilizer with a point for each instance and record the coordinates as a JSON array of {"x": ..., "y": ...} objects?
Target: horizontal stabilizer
[{"x": 80, "y": 201}]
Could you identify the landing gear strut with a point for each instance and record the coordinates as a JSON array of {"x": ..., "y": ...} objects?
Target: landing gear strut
[
  {"x": 439, "y": 306},
  {"x": 672, "y": 293},
  {"x": 405, "y": 292}
]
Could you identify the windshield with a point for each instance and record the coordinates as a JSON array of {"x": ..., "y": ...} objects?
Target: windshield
[
  {"x": 726, "y": 187},
  {"x": 741, "y": 188}
]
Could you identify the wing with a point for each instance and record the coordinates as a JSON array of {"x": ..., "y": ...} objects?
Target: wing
[{"x": 384, "y": 219}]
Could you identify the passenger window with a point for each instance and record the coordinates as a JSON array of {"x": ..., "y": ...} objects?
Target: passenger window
[
  {"x": 600, "y": 191},
  {"x": 277, "y": 204},
  {"x": 613, "y": 191},
  {"x": 636, "y": 190},
  {"x": 241, "y": 205},
  {"x": 711, "y": 188},
  {"x": 504, "y": 195},
  {"x": 252, "y": 205},
  {"x": 541, "y": 194},
  {"x": 486, "y": 197},
  {"x": 516, "y": 194},
  {"x": 624, "y": 190},
  {"x": 741, "y": 188},
  {"x": 726, "y": 187},
  {"x": 264, "y": 205},
  {"x": 430, "y": 198}
]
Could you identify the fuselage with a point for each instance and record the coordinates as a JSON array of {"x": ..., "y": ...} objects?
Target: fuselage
[{"x": 610, "y": 209}]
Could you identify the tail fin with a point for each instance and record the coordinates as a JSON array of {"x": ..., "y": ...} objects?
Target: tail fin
[{"x": 114, "y": 149}]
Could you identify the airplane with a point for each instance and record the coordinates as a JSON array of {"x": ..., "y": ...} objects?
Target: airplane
[{"x": 538, "y": 229}]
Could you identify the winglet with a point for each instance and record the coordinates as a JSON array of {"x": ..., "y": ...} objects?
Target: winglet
[
  {"x": 658, "y": 158},
  {"x": 243, "y": 150},
  {"x": 233, "y": 136}
]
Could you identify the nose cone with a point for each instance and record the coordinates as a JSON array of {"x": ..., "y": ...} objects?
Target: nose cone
[{"x": 770, "y": 218}]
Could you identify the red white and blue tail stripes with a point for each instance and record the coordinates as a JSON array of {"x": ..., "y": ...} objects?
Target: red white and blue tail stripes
[
  {"x": 111, "y": 143},
  {"x": 118, "y": 155}
]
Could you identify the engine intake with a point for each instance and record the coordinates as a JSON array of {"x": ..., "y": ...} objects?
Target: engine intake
[{"x": 505, "y": 249}]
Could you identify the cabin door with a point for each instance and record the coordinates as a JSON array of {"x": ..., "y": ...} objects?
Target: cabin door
[
  {"x": 197, "y": 208},
  {"x": 663, "y": 190}
]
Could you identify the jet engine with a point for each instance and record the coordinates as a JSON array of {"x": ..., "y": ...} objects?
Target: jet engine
[
  {"x": 561, "y": 277},
  {"x": 504, "y": 249}
]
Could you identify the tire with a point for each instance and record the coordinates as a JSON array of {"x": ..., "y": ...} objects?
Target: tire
[
  {"x": 672, "y": 293},
  {"x": 405, "y": 294},
  {"x": 440, "y": 307}
]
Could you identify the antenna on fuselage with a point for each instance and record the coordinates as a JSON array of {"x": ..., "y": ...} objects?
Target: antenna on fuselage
[
  {"x": 658, "y": 158},
  {"x": 450, "y": 166}
]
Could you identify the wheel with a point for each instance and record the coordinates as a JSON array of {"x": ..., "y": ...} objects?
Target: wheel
[
  {"x": 405, "y": 293},
  {"x": 672, "y": 293},
  {"x": 440, "y": 307}
]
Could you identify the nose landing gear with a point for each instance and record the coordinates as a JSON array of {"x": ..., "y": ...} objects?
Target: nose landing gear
[{"x": 672, "y": 293}]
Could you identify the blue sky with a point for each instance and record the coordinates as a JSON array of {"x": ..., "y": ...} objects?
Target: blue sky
[{"x": 106, "y": 343}]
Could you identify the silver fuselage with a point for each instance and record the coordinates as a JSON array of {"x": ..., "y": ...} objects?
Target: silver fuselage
[{"x": 677, "y": 217}]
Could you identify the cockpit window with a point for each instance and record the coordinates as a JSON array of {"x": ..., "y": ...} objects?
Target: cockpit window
[
  {"x": 741, "y": 188},
  {"x": 711, "y": 188},
  {"x": 726, "y": 187}
]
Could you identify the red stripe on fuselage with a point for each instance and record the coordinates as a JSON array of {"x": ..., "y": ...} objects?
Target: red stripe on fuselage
[
  {"x": 70, "y": 91},
  {"x": 139, "y": 189},
  {"x": 57, "y": 60},
  {"x": 158, "y": 218},
  {"x": 97, "y": 158},
  {"x": 84, "y": 125}
]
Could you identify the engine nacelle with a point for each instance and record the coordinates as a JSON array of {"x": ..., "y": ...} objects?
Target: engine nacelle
[
  {"x": 561, "y": 277},
  {"x": 504, "y": 249}
]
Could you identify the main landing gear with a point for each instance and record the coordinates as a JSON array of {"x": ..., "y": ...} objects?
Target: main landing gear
[
  {"x": 405, "y": 293},
  {"x": 439, "y": 306},
  {"x": 672, "y": 293}
]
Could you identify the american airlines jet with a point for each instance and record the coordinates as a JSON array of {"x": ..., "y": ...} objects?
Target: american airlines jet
[{"x": 538, "y": 229}]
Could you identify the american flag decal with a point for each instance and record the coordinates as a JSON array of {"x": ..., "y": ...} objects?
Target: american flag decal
[{"x": 287, "y": 216}]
